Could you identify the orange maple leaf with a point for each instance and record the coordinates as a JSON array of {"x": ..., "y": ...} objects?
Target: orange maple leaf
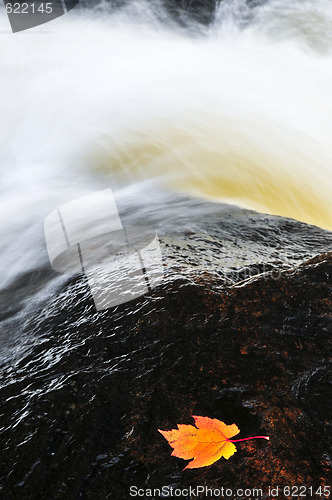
[{"x": 206, "y": 443}]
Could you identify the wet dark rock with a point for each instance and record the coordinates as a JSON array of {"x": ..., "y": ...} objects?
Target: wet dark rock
[
  {"x": 202, "y": 11},
  {"x": 82, "y": 403},
  {"x": 182, "y": 11}
]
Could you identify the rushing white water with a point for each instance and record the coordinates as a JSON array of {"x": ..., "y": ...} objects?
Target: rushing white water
[{"x": 239, "y": 112}]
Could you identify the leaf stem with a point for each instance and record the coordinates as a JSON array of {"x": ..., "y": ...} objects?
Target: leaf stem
[{"x": 247, "y": 439}]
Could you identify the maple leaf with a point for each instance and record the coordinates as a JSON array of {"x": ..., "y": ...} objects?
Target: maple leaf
[{"x": 206, "y": 443}]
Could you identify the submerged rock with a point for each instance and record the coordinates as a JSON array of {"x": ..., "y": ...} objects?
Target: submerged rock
[
  {"x": 82, "y": 403},
  {"x": 182, "y": 11},
  {"x": 199, "y": 10}
]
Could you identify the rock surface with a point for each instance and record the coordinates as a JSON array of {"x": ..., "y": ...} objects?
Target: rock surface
[
  {"x": 81, "y": 409},
  {"x": 199, "y": 10}
]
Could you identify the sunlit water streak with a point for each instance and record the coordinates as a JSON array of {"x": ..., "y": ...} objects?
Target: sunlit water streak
[{"x": 240, "y": 112}]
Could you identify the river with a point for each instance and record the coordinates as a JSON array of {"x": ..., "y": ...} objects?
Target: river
[{"x": 203, "y": 132}]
